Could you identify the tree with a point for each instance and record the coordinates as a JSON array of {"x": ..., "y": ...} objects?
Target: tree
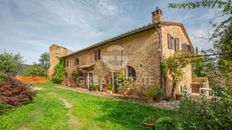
[
  {"x": 10, "y": 63},
  {"x": 222, "y": 35},
  {"x": 199, "y": 67},
  {"x": 174, "y": 65},
  {"x": 36, "y": 70},
  {"x": 59, "y": 72},
  {"x": 44, "y": 60}
]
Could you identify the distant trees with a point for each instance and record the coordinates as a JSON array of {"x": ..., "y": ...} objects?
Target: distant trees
[
  {"x": 10, "y": 64},
  {"x": 39, "y": 69}
]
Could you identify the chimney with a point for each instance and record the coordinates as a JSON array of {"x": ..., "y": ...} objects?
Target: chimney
[{"x": 157, "y": 15}]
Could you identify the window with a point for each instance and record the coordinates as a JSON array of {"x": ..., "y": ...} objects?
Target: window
[
  {"x": 171, "y": 42},
  {"x": 177, "y": 46},
  {"x": 97, "y": 54},
  {"x": 66, "y": 63},
  {"x": 77, "y": 61},
  {"x": 130, "y": 72}
]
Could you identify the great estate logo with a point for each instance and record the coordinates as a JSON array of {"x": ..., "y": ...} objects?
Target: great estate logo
[{"x": 114, "y": 58}]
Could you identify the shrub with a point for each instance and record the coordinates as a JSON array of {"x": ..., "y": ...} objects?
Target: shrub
[
  {"x": 166, "y": 123},
  {"x": 214, "y": 113},
  {"x": 15, "y": 93},
  {"x": 150, "y": 91},
  {"x": 36, "y": 70},
  {"x": 59, "y": 72}
]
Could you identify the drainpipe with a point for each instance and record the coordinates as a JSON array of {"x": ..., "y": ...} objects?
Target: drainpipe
[{"x": 161, "y": 52}]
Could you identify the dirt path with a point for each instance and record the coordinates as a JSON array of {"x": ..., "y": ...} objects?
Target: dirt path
[{"x": 72, "y": 121}]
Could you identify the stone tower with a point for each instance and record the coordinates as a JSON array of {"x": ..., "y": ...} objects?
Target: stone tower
[
  {"x": 55, "y": 52},
  {"x": 157, "y": 15}
]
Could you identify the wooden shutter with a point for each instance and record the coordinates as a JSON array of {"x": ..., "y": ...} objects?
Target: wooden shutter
[
  {"x": 177, "y": 46},
  {"x": 169, "y": 41},
  {"x": 95, "y": 55},
  {"x": 99, "y": 54},
  {"x": 172, "y": 43}
]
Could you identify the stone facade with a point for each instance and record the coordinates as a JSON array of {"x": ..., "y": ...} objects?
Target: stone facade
[{"x": 143, "y": 48}]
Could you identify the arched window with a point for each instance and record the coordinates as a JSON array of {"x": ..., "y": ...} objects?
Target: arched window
[
  {"x": 77, "y": 61},
  {"x": 130, "y": 72}
]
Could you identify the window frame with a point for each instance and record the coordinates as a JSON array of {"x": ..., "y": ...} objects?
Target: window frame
[{"x": 97, "y": 54}]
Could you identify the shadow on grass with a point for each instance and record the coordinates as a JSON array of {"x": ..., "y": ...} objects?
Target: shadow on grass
[{"x": 129, "y": 115}]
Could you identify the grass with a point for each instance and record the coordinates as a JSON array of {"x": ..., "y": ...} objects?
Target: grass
[{"x": 90, "y": 112}]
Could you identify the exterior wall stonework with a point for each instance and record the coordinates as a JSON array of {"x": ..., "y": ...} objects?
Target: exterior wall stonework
[
  {"x": 140, "y": 49},
  {"x": 55, "y": 52},
  {"x": 176, "y": 32}
]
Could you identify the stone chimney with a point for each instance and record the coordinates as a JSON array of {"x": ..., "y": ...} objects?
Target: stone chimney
[{"x": 157, "y": 15}]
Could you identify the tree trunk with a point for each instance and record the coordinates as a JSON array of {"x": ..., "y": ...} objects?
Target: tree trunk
[{"x": 173, "y": 88}]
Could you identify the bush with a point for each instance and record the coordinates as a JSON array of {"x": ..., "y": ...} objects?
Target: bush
[
  {"x": 15, "y": 93},
  {"x": 36, "y": 70},
  {"x": 150, "y": 91},
  {"x": 214, "y": 113},
  {"x": 166, "y": 123}
]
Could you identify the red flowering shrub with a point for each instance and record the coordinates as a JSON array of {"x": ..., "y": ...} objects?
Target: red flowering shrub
[{"x": 15, "y": 93}]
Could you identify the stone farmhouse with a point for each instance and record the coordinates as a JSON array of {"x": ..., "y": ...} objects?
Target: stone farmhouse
[{"x": 136, "y": 53}]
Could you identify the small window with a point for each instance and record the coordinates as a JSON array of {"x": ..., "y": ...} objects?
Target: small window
[
  {"x": 66, "y": 63},
  {"x": 177, "y": 46},
  {"x": 131, "y": 73},
  {"x": 97, "y": 55},
  {"x": 77, "y": 61}
]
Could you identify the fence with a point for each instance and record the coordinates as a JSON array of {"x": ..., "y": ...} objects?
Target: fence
[{"x": 31, "y": 79}]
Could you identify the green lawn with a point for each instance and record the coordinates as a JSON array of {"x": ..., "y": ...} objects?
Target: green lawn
[{"x": 88, "y": 112}]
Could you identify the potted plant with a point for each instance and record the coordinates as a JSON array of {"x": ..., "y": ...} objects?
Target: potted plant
[
  {"x": 149, "y": 92},
  {"x": 93, "y": 87},
  {"x": 150, "y": 121},
  {"x": 159, "y": 94},
  {"x": 179, "y": 96}
]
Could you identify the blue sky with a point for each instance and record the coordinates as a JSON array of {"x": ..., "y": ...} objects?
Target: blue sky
[{"x": 29, "y": 27}]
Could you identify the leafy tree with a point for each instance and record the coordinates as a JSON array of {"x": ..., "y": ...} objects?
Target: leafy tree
[
  {"x": 59, "y": 72},
  {"x": 44, "y": 60},
  {"x": 36, "y": 70},
  {"x": 222, "y": 35},
  {"x": 199, "y": 67},
  {"x": 174, "y": 65},
  {"x": 10, "y": 63}
]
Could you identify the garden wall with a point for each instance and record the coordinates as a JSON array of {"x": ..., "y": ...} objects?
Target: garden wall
[{"x": 31, "y": 79}]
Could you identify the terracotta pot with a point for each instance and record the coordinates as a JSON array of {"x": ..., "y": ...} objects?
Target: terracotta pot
[
  {"x": 149, "y": 100},
  {"x": 158, "y": 98},
  {"x": 150, "y": 124},
  {"x": 178, "y": 96}
]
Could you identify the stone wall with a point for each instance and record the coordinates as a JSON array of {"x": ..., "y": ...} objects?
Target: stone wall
[
  {"x": 140, "y": 50},
  {"x": 55, "y": 52},
  {"x": 177, "y": 32}
]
